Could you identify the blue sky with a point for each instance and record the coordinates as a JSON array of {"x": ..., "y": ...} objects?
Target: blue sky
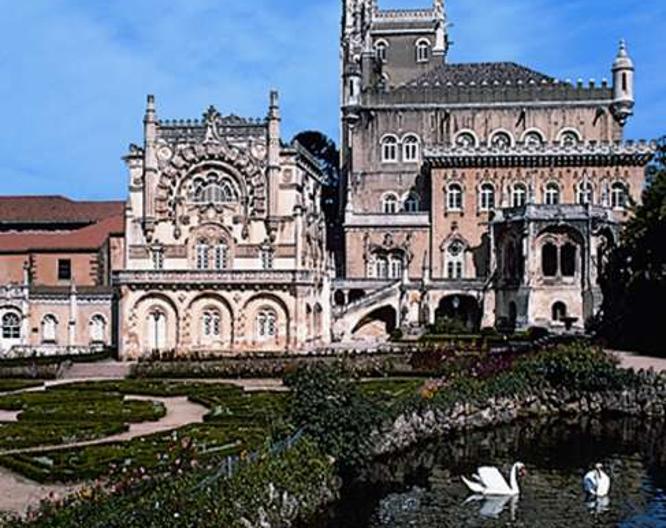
[{"x": 75, "y": 73}]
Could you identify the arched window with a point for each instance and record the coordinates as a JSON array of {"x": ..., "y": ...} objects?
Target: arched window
[
  {"x": 381, "y": 267},
  {"x": 97, "y": 327},
  {"x": 533, "y": 139},
  {"x": 395, "y": 263},
  {"x": 549, "y": 260},
  {"x": 500, "y": 140},
  {"x": 412, "y": 203},
  {"x": 454, "y": 197},
  {"x": 11, "y": 326},
  {"x": 49, "y": 329},
  {"x": 569, "y": 138},
  {"x": 390, "y": 149},
  {"x": 568, "y": 254},
  {"x": 487, "y": 197},
  {"x": 267, "y": 260},
  {"x": 552, "y": 194},
  {"x": 157, "y": 330},
  {"x": 585, "y": 193},
  {"x": 221, "y": 256},
  {"x": 214, "y": 190},
  {"x": 618, "y": 195},
  {"x": 454, "y": 258},
  {"x": 267, "y": 325},
  {"x": 422, "y": 51},
  {"x": 559, "y": 312},
  {"x": 390, "y": 204},
  {"x": 410, "y": 149},
  {"x": 465, "y": 140},
  {"x": 202, "y": 255},
  {"x": 381, "y": 50},
  {"x": 519, "y": 195},
  {"x": 210, "y": 323}
]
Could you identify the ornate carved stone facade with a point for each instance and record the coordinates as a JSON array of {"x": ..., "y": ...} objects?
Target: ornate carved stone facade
[
  {"x": 457, "y": 176},
  {"x": 225, "y": 240}
]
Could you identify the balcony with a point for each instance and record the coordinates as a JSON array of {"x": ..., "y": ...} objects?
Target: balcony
[{"x": 213, "y": 277}]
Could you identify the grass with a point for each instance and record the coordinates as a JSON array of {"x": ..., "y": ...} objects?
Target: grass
[{"x": 8, "y": 385}]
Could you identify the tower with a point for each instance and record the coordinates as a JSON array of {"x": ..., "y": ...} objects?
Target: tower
[{"x": 623, "y": 85}]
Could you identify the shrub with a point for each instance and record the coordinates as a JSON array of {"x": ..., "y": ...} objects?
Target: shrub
[
  {"x": 447, "y": 325},
  {"x": 397, "y": 334}
]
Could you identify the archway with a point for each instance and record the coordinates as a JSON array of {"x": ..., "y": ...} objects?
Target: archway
[
  {"x": 378, "y": 324},
  {"x": 461, "y": 312}
]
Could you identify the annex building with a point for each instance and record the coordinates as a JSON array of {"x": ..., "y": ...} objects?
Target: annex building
[{"x": 487, "y": 193}]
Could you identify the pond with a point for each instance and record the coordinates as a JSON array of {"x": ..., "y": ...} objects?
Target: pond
[{"x": 422, "y": 488}]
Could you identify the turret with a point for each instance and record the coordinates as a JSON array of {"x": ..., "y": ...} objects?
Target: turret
[
  {"x": 150, "y": 167},
  {"x": 273, "y": 121},
  {"x": 623, "y": 85}
]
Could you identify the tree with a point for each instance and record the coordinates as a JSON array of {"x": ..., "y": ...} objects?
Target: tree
[
  {"x": 634, "y": 281},
  {"x": 326, "y": 152}
]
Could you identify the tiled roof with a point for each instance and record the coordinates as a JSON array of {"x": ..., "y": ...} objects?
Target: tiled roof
[
  {"x": 91, "y": 238},
  {"x": 54, "y": 209},
  {"x": 481, "y": 72}
]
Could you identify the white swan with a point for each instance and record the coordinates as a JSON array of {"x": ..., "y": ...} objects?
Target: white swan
[
  {"x": 596, "y": 483},
  {"x": 489, "y": 481}
]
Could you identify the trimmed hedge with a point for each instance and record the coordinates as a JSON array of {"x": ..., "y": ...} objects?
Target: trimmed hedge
[
  {"x": 9, "y": 385},
  {"x": 15, "y": 435}
]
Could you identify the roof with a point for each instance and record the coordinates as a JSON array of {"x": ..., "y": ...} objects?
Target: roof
[
  {"x": 55, "y": 209},
  {"x": 482, "y": 72},
  {"x": 90, "y": 238}
]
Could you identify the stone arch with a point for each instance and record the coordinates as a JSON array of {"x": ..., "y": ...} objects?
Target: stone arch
[
  {"x": 378, "y": 323},
  {"x": 264, "y": 303},
  {"x": 98, "y": 328},
  {"x": 463, "y": 308},
  {"x": 194, "y": 333},
  {"x": 155, "y": 333}
]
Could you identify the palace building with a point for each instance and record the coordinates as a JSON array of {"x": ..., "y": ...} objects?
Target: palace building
[{"x": 486, "y": 193}]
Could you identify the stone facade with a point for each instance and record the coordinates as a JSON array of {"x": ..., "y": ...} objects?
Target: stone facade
[
  {"x": 457, "y": 176},
  {"x": 225, "y": 244}
]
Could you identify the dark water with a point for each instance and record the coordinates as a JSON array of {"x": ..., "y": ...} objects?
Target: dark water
[{"x": 422, "y": 488}]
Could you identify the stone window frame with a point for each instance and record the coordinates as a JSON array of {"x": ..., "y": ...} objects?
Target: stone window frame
[
  {"x": 153, "y": 317},
  {"x": 93, "y": 318},
  {"x": 413, "y": 198},
  {"x": 266, "y": 324},
  {"x": 501, "y": 132},
  {"x": 411, "y": 148},
  {"x": 52, "y": 338},
  {"x": 567, "y": 131},
  {"x": 486, "y": 189},
  {"x": 11, "y": 330},
  {"x": 513, "y": 193},
  {"x": 585, "y": 197},
  {"x": 211, "y": 323},
  {"x": 208, "y": 182},
  {"x": 547, "y": 193},
  {"x": 530, "y": 132},
  {"x": 392, "y": 142},
  {"x": 460, "y": 192},
  {"x": 390, "y": 203},
  {"x": 423, "y": 50},
  {"x": 562, "y": 260},
  {"x": 454, "y": 265},
  {"x": 614, "y": 204},
  {"x": 466, "y": 132},
  {"x": 559, "y": 312},
  {"x": 381, "y": 47},
  {"x": 267, "y": 258}
]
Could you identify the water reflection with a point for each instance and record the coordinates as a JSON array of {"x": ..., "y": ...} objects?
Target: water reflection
[{"x": 422, "y": 488}]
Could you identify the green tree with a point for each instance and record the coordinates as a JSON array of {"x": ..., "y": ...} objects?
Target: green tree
[{"x": 634, "y": 281}]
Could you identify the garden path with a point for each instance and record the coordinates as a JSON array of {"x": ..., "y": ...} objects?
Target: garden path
[
  {"x": 638, "y": 362},
  {"x": 179, "y": 413}
]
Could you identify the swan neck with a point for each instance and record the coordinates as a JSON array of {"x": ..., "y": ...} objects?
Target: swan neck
[{"x": 514, "y": 479}]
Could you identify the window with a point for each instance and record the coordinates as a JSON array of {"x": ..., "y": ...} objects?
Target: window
[
  {"x": 465, "y": 140},
  {"x": 390, "y": 204},
  {"x": 97, "y": 329},
  {"x": 549, "y": 260},
  {"x": 518, "y": 195},
  {"x": 214, "y": 190},
  {"x": 559, "y": 312},
  {"x": 158, "y": 258},
  {"x": 500, "y": 140},
  {"x": 210, "y": 323},
  {"x": 412, "y": 203},
  {"x": 266, "y": 325},
  {"x": 221, "y": 256},
  {"x": 585, "y": 194},
  {"x": 381, "y": 50},
  {"x": 395, "y": 266},
  {"x": 455, "y": 260},
  {"x": 552, "y": 195},
  {"x": 202, "y": 255},
  {"x": 618, "y": 196},
  {"x": 568, "y": 260},
  {"x": 64, "y": 269},
  {"x": 266, "y": 258},
  {"x": 422, "y": 51},
  {"x": 157, "y": 325},
  {"x": 454, "y": 197},
  {"x": 49, "y": 329},
  {"x": 390, "y": 149},
  {"x": 410, "y": 149},
  {"x": 381, "y": 267},
  {"x": 11, "y": 326},
  {"x": 487, "y": 197},
  {"x": 569, "y": 138},
  {"x": 533, "y": 139}
]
